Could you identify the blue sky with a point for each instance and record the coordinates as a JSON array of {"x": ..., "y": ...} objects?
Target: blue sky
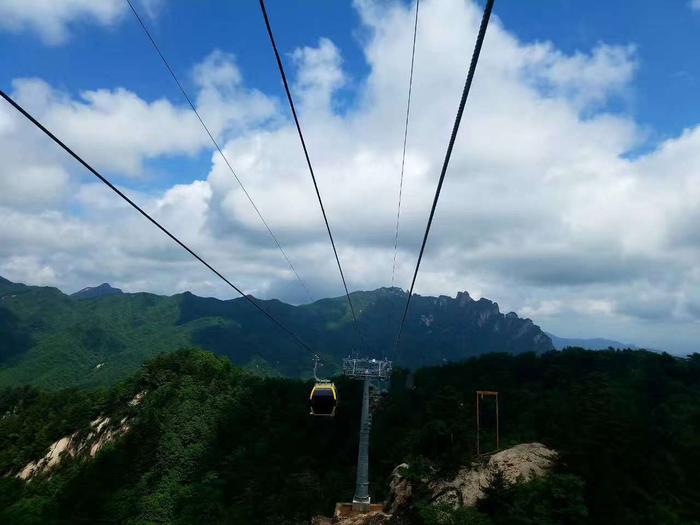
[
  {"x": 572, "y": 197},
  {"x": 665, "y": 34},
  {"x": 664, "y": 96}
]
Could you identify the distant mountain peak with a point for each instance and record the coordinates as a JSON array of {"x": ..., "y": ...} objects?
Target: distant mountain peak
[
  {"x": 464, "y": 298},
  {"x": 95, "y": 292},
  {"x": 437, "y": 330},
  {"x": 591, "y": 343},
  {"x": 393, "y": 289}
]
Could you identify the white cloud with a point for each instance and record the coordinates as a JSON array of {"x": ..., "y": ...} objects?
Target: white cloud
[
  {"x": 29, "y": 269},
  {"x": 319, "y": 74},
  {"x": 694, "y": 5},
  {"x": 587, "y": 80},
  {"x": 31, "y": 175},
  {"x": 52, "y": 19},
  {"x": 117, "y": 130},
  {"x": 223, "y": 102},
  {"x": 21, "y": 187},
  {"x": 152, "y": 8},
  {"x": 543, "y": 209}
]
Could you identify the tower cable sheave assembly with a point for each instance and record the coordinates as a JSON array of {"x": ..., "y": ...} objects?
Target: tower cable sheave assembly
[
  {"x": 308, "y": 162},
  {"x": 405, "y": 137},
  {"x": 465, "y": 93},
  {"x": 116, "y": 190},
  {"x": 216, "y": 145}
]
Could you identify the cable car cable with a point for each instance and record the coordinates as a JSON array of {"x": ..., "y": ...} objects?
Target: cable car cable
[
  {"x": 147, "y": 216},
  {"x": 405, "y": 137},
  {"x": 219, "y": 149},
  {"x": 465, "y": 93},
  {"x": 308, "y": 162}
]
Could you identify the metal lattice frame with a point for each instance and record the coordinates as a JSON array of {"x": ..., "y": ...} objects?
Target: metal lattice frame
[{"x": 365, "y": 368}]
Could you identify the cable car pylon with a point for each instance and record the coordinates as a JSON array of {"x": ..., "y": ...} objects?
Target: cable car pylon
[{"x": 368, "y": 371}]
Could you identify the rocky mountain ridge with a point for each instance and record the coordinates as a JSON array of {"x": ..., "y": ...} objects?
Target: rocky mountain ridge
[
  {"x": 95, "y": 292},
  {"x": 102, "y": 334}
]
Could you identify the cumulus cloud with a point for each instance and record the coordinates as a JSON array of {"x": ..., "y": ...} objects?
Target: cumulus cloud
[
  {"x": 52, "y": 19},
  {"x": 225, "y": 104},
  {"x": 694, "y": 5},
  {"x": 117, "y": 130},
  {"x": 51, "y": 182},
  {"x": 585, "y": 79},
  {"x": 543, "y": 208},
  {"x": 319, "y": 74}
]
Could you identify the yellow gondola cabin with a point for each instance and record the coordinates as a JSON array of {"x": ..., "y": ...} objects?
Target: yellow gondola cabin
[{"x": 323, "y": 399}]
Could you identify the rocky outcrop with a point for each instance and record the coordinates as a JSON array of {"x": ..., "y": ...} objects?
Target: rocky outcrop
[
  {"x": 520, "y": 463},
  {"x": 101, "y": 432},
  {"x": 50, "y": 460},
  {"x": 371, "y": 518},
  {"x": 517, "y": 464},
  {"x": 400, "y": 489}
]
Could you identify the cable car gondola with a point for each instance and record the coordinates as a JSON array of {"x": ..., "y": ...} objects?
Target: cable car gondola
[
  {"x": 323, "y": 399},
  {"x": 324, "y": 396}
]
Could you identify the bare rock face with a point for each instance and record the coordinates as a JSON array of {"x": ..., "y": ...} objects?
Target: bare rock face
[
  {"x": 517, "y": 464},
  {"x": 400, "y": 489},
  {"x": 102, "y": 431},
  {"x": 371, "y": 518},
  {"x": 523, "y": 462},
  {"x": 520, "y": 463},
  {"x": 51, "y": 459}
]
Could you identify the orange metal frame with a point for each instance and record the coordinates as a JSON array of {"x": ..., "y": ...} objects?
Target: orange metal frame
[{"x": 480, "y": 394}]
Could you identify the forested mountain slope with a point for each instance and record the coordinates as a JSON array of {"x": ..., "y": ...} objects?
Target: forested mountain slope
[
  {"x": 101, "y": 335},
  {"x": 210, "y": 443}
]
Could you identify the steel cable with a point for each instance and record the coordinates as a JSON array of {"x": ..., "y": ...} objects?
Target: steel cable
[
  {"x": 465, "y": 93},
  {"x": 219, "y": 149},
  {"x": 151, "y": 219}
]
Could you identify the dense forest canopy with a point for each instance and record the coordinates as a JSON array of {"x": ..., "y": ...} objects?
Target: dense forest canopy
[{"x": 214, "y": 444}]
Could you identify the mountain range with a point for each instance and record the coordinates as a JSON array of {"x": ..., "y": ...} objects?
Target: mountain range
[
  {"x": 591, "y": 343},
  {"x": 101, "y": 334}
]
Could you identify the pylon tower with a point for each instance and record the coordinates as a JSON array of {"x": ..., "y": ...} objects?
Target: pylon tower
[{"x": 366, "y": 370}]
